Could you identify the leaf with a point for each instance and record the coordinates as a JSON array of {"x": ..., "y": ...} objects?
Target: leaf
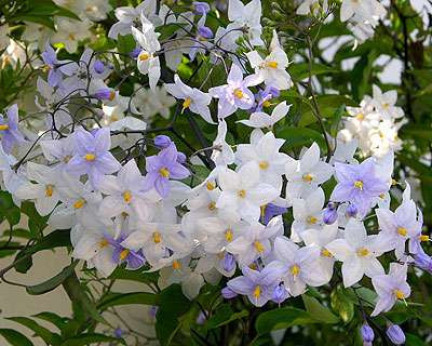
[
  {"x": 224, "y": 315},
  {"x": 52, "y": 283},
  {"x": 14, "y": 338},
  {"x": 296, "y": 137},
  {"x": 23, "y": 262},
  {"x": 45, "y": 334},
  {"x": 342, "y": 304},
  {"x": 125, "y": 44},
  {"x": 282, "y": 318},
  {"x": 173, "y": 304},
  {"x": 115, "y": 299},
  {"x": 58, "y": 321},
  {"x": 414, "y": 340},
  {"x": 36, "y": 222},
  {"x": 89, "y": 339},
  {"x": 134, "y": 275},
  {"x": 318, "y": 311}
]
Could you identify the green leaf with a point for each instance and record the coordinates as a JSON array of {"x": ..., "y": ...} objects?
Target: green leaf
[
  {"x": 414, "y": 340},
  {"x": 52, "y": 283},
  {"x": 296, "y": 137},
  {"x": 318, "y": 311},
  {"x": 282, "y": 318},
  {"x": 342, "y": 304},
  {"x": 14, "y": 338},
  {"x": 125, "y": 44},
  {"x": 134, "y": 275},
  {"x": 173, "y": 304},
  {"x": 116, "y": 299},
  {"x": 23, "y": 262},
  {"x": 89, "y": 339},
  {"x": 45, "y": 334},
  {"x": 58, "y": 321},
  {"x": 224, "y": 315}
]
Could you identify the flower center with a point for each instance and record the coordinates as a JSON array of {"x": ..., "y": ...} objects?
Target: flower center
[
  {"x": 257, "y": 292},
  {"x": 112, "y": 95},
  {"x": 263, "y": 210},
  {"x": 363, "y": 252},
  {"x": 144, "y": 56},
  {"x": 210, "y": 185},
  {"x": 266, "y": 104},
  {"x": 157, "y": 238},
  {"x": 424, "y": 237},
  {"x": 264, "y": 165},
  {"x": 187, "y": 102},
  {"x": 295, "y": 270},
  {"x": 176, "y": 265},
  {"x": 238, "y": 93},
  {"x": 259, "y": 247},
  {"x": 229, "y": 235},
  {"x": 399, "y": 294},
  {"x": 79, "y": 203},
  {"x": 49, "y": 190},
  {"x": 103, "y": 243},
  {"x": 164, "y": 172},
  {"x": 358, "y": 184},
  {"x": 402, "y": 231},
  {"x": 124, "y": 254},
  {"x": 4, "y": 127},
  {"x": 272, "y": 64},
  {"x": 212, "y": 206},
  {"x": 326, "y": 253},
  {"x": 241, "y": 193},
  {"x": 127, "y": 196},
  {"x": 90, "y": 157},
  {"x": 360, "y": 116},
  {"x": 307, "y": 178},
  {"x": 312, "y": 220}
]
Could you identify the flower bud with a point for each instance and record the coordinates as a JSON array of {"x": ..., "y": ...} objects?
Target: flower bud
[
  {"x": 153, "y": 311},
  {"x": 228, "y": 293},
  {"x": 330, "y": 214},
  {"x": 351, "y": 210},
  {"x": 181, "y": 157},
  {"x": 279, "y": 294},
  {"x": 228, "y": 262},
  {"x": 201, "y": 318},
  {"x": 423, "y": 261},
  {"x": 105, "y": 94},
  {"x": 99, "y": 66},
  {"x": 367, "y": 334},
  {"x": 396, "y": 334},
  {"x": 201, "y": 7},
  {"x": 205, "y": 32},
  {"x": 134, "y": 54},
  {"x": 118, "y": 333},
  {"x": 162, "y": 141}
]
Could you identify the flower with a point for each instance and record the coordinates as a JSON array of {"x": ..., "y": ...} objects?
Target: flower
[
  {"x": 359, "y": 184},
  {"x": 260, "y": 120},
  {"x": 395, "y": 334},
  {"x": 248, "y": 18},
  {"x": 367, "y": 334},
  {"x": 10, "y": 134},
  {"x": 233, "y": 95},
  {"x": 358, "y": 252},
  {"x": 161, "y": 168},
  {"x": 272, "y": 69},
  {"x": 390, "y": 288},
  {"x": 223, "y": 154},
  {"x": 258, "y": 286},
  {"x": 57, "y": 68},
  {"x": 194, "y": 99}
]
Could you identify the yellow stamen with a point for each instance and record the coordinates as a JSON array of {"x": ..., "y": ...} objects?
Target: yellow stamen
[
  {"x": 424, "y": 237},
  {"x": 399, "y": 294},
  {"x": 187, "y": 102},
  {"x": 103, "y": 243},
  {"x": 312, "y": 220},
  {"x": 212, "y": 206},
  {"x": 358, "y": 184},
  {"x": 394, "y": 182},
  {"x": 307, "y": 178},
  {"x": 79, "y": 203},
  {"x": 360, "y": 116},
  {"x": 112, "y": 95},
  {"x": 4, "y": 127},
  {"x": 144, "y": 56},
  {"x": 259, "y": 247},
  {"x": 124, "y": 254},
  {"x": 229, "y": 235},
  {"x": 127, "y": 196},
  {"x": 241, "y": 193},
  {"x": 295, "y": 270},
  {"x": 402, "y": 231},
  {"x": 266, "y": 104},
  {"x": 157, "y": 238},
  {"x": 326, "y": 253},
  {"x": 210, "y": 185},
  {"x": 49, "y": 190},
  {"x": 363, "y": 252},
  {"x": 386, "y": 105},
  {"x": 253, "y": 266},
  {"x": 264, "y": 165},
  {"x": 164, "y": 172},
  {"x": 238, "y": 93},
  {"x": 90, "y": 157},
  {"x": 382, "y": 196},
  {"x": 257, "y": 292},
  {"x": 263, "y": 210},
  {"x": 272, "y": 64},
  {"x": 176, "y": 265}
]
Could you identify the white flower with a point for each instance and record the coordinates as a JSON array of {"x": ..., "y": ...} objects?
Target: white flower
[
  {"x": 242, "y": 191},
  {"x": 265, "y": 153},
  {"x": 194, "y": 99},
  {"x": 147, "y": 62},
  {"x": 366, "y": 10},
  {"x": 358, "y": 252},
  {"x": 306, "y": 174},
  {"x": 70, "y": 32},
  {"x": 150, "y": 102},
  {"x": 298, "y": 266},
  {"x": 272, "y": 69},
  {"x": 260, "y": 120},
  {"x": 223, "y": 154},
  {"x": 247, "y": 17},
  {"x": 309, "y": 6}
]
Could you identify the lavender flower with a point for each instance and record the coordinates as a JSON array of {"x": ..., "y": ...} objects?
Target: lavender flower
[
  {"x": 57, "y": 68},
  {"x": 162, "y": 141},
  {"x": 162, "y": 167},
  {"x": 395, "y": 334},
  {"x": 228, "y": 293},
  {"x": 257, "y": 285},
  {"x": 92, "y": 156},
  {"x": 10, "y": 134},
  {"x": 367, "y": 334},
  {"x": 359, "y": 184},
  {"x": 269, "y": 211}
]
